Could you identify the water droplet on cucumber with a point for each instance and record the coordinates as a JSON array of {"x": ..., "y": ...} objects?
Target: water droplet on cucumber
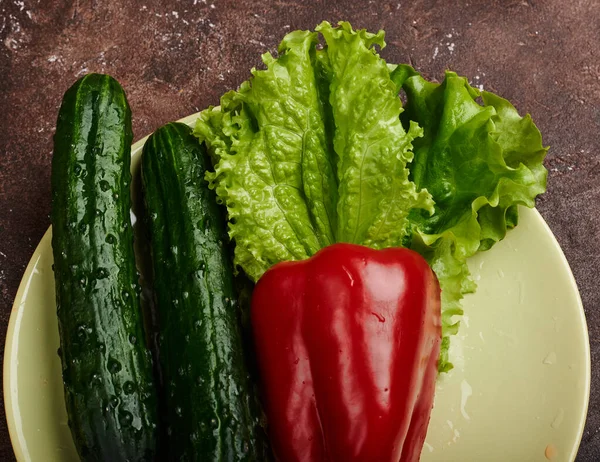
[
  {"x": 125, "y": 418},
  {"x": 114, "y": 366},
  {"x": 82, "y": 332},
  {"x": 128, "y": 388}
]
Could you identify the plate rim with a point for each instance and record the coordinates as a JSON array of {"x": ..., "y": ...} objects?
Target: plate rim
[
  {"x": 9, "y": 347},
  {"x": 586, "y": 333}
]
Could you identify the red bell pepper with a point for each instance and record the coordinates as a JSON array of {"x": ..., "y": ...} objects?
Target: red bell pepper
[{"x": 347, "y": 345}]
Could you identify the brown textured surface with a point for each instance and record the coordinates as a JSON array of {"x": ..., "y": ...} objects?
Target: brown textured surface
[{"x": 175, "y": 57}]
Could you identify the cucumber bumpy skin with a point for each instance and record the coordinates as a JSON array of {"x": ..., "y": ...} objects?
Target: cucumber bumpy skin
[
  {"x": 212, "y": 410},
  {"x": 107, "y": 369}
]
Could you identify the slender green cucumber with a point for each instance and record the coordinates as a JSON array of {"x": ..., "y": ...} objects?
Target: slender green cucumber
[
  {"x": 106, "y": 367},
  {"x": 210, "y": 402}
]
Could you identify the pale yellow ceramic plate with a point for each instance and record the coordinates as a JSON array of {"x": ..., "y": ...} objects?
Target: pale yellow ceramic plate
[{"x": 519, "y": 391}]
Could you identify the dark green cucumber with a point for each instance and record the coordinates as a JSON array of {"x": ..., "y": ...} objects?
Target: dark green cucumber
[
  {"x": 107, "y": 369},
  {"x": 211, "y": 413}
]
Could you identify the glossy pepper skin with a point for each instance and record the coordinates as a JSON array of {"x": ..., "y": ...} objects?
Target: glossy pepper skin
[{"x": 347, "y": 345}]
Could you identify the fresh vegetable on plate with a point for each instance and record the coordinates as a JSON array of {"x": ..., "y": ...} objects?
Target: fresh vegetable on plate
[
  {"x": 348, "y": 343},
  {"x": 211, "y": 409},
  {"x": 106, "y": 367}
]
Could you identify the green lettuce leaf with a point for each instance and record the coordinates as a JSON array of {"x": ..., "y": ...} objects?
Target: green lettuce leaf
[
  {"x": 375, "y": 194},
  {"x": 479, "y": 162},
  {"x": 274, "y": 168}
]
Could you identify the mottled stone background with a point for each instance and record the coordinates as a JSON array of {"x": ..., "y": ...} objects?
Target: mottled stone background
[{"x": 176, "y": 57}]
